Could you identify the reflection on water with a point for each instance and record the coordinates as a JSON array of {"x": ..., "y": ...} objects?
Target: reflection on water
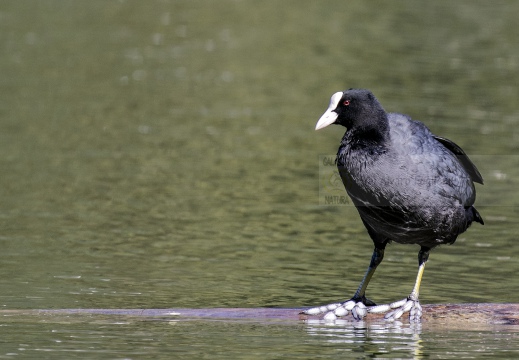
[
  {"x": 392, "y": 340},
  {"x": 107, "y": 337},
  {"x": 416, "y": 341}
]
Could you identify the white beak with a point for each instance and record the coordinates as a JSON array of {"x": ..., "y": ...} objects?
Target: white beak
[{"x": 329, "y": 115}]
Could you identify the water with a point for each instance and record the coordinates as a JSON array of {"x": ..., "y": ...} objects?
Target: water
[
  {"x": 162, "y": 154},
  {"x": 130, "y": 338}
]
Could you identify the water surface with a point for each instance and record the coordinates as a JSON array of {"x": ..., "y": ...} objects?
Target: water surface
[{"x": 162, "y": 154}]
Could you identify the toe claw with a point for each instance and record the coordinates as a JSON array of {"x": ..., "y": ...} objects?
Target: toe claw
[
  {"x": 359, "y": 311},
  {"x": 312, "y": 311},
  {"x": 336, "y": 310},
  {"x": 341, "y": 311},
  {"x": 389, "y": 316},
  {"x": 330, "y": 316},
  {"x": 398, "y": 313},
  {"x": 349, "y": 305},
  {"x": 408, "y": 306},
  {"x": 379, "y": 309},
  {"x": 330, "y": 307},
  {"x": 321, "y": 309},
  {"x": 398, "y": 304},
  {"x": 398, "y": 308},
  {"x": 412, "y": 314},
  {"x": 416, "y": 313}
]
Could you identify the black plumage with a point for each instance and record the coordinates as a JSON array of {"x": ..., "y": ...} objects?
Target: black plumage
[{"x": 408, "y": 185}]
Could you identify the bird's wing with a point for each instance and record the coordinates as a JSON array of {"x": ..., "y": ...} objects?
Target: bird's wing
[{"x": 467, "y": 164}]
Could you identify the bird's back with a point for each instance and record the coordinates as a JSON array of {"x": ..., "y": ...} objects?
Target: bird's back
[{"x": 412, "y": 189}]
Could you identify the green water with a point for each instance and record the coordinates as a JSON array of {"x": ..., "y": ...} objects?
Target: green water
[{"x": 162, "y": 154}]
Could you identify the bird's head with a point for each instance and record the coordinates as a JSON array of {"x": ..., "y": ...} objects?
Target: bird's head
[{"x": 350, "y": 108}]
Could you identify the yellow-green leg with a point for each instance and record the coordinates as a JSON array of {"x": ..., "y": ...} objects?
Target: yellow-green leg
[
  {"x": 423, "y": 256},
  {"x": 410, "y": 304}
]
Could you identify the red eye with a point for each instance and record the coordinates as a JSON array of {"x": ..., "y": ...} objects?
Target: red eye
[{"x": 346, "y": 102}]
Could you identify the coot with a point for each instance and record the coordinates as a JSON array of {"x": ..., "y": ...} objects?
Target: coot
[{"x": 408, "y": 185}]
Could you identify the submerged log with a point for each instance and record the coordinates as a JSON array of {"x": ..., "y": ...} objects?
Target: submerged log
[{"x": 441, "y": 314}]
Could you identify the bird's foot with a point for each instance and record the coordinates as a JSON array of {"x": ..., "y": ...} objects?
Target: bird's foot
[
  {"x": 357, "y": 307},
  {"x": 398, "y": 308}
]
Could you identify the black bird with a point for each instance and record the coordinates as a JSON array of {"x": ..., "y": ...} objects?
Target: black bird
[{"x": 408, "y": 185}]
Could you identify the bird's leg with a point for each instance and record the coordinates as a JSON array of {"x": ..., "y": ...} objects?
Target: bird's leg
[
  {"x": 410, "y": 304},
  {"x": 357, "y": 304},
  {"x": 360, "y": 294}
]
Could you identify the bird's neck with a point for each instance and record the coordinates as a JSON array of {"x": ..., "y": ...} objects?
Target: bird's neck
[{"x": 373, "y": 130}]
